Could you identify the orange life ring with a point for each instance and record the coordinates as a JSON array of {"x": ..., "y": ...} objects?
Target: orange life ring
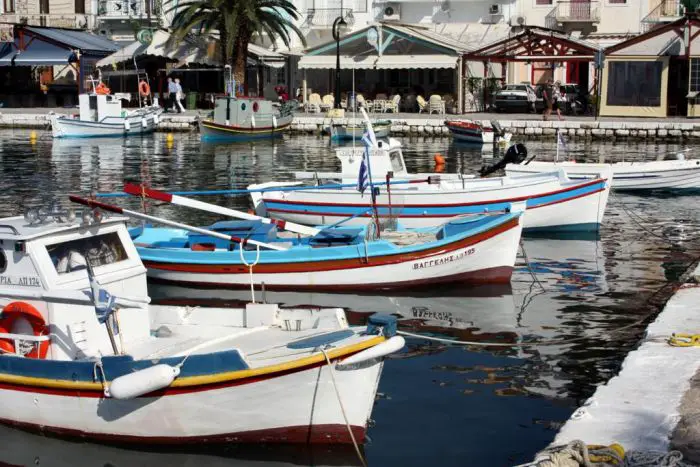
[
  {"x": 144, "y": 89},
  {"x": 102, "y": 89},
  {"x": 15, "y": 310}
]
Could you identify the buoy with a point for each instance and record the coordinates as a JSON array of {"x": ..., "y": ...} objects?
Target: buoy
[
  {"x": 32, "y": 135},
  {"x": 127, "y": 125},
  {"x": 144, "y": 122},
  {"x": 439, "y": 160},
  {"x": 169, "y": 138},
  {"x": 142, "y": 382},
  {"x": 393, "y": 344}
]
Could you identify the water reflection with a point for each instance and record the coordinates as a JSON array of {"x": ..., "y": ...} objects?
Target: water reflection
[{"x": 20, "y": 448}]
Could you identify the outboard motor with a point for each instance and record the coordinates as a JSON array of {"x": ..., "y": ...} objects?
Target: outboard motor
[{"x": 515, "y": 154}]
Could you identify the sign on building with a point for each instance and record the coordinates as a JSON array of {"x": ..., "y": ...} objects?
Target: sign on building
[{"x": 7, "y": 33}]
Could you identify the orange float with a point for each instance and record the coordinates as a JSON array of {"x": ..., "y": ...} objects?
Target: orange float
[
  {"x": 22, "y": 310},
  {"x": 144, "y": 89},
  {"x": 102, "y": 89}
]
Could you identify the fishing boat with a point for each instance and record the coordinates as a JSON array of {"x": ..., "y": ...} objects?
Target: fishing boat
[
  {"x": 353, "y": 130},
  {"x": 468, "y": 131},
  {"x": 666, "y": 175},
  {"x": 479, "y": 249},
  {"x": 554, "y": 201},
  {"x": 80, "y": 358},
  {"x": 244, "y": 119},
  {"x": 102, "y": 115}
]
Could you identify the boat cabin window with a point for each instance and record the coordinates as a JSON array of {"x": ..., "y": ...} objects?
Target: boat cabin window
[
  {"x": 396, "y": 161},
  {"x": 99, "y": 250},
  {"x": 3, "y": 261}
]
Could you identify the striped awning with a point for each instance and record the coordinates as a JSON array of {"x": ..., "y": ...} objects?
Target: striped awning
[{"x": 385, "y": 62}]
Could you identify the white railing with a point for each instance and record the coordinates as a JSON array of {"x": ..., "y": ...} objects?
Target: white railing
[{"x": 72, "y": 21}]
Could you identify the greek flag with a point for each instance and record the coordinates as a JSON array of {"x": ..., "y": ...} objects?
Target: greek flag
[
  {"x": 561, "y": 142},
  {"x": 363, "y": 176}
]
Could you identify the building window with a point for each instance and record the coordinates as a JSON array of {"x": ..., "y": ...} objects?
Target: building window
[
  {"x": 9, "y": 6},
  {"x": 618, "y": 2},
  {"x": 695, "y": 74},
  {"x": 634, "y": 83},
  {"x": 80, "y": 6},
  {"x": 543, "y": 2},
  {"x": 44, "y": 7}
]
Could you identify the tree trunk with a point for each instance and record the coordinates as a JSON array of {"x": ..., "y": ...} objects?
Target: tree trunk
[{"x": 240, "y": 59}]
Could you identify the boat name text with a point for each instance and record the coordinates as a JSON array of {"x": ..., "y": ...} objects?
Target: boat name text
[
  {"x": 444, "y": 260},
  {"x": 22, "y": 281}
]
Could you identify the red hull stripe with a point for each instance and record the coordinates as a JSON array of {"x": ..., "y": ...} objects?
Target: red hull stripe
[
  {"x": 497, "y": 275},
  {"x": 332, "y": 265},
  {"x": 241, "y": 129},
  {"x": 302, "y": 434}
]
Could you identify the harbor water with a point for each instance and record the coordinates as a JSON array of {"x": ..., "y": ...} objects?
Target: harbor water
[{"x": 584, "y": 300}]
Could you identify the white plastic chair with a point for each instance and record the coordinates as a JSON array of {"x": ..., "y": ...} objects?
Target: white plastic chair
[
  {"x": 436, "y": 104},
  {"x": 328, "y": 102},
  {"x": 314, "y": 103},
  {"x": 422, "y": 104},
  {"x": 393, "y": 104}
]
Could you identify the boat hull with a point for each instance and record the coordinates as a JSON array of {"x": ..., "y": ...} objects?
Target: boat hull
[
  {"x": 138, "y": 124},
  {"x": 469, "y": 132},
  {"x": 293, "y": 407},
  {"x": 669, "y": 175},
  {"x": 349, "y": 133},
  {"x": 484, "y": 257},
  {"x": 551, "y": 205},
  {"x": 212, "y": 131}
]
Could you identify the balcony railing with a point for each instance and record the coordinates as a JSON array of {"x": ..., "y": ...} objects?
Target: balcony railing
[
  {"x": 122, "y": 9},
  {"x": 665, "y": 12},
  {"x": 75, "y": 21},
  {"x": 577, "y": 12},
  {"x": 322, "y": 18}
]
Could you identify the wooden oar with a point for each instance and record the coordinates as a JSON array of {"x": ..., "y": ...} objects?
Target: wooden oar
[
  {"x": 159, "y": 220},
  {"x": 140, "y": 190}
]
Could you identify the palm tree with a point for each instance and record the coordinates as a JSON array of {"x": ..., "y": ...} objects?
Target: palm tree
[{"x": 237, "y": 22}]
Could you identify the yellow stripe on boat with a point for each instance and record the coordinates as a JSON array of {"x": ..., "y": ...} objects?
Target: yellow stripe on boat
[{"x": 190, "y": 381}]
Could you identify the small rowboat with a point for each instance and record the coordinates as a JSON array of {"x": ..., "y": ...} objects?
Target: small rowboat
[
  {"x": 354, "y": 131},
  {"x": 668, "y": 175},
  {"x": 467, "y": 131},
  {"x": 244, "y": 119},
  {"x": 77, "y": 361}
]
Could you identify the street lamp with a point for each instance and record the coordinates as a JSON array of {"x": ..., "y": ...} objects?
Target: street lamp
[{"x": 337, "y": 25}]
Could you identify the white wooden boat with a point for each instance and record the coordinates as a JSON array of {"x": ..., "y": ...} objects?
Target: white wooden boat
[
  {"x": 667, "y": 175},
  {"x": 554, "y": 202},
  {"x": 79, "y": 362},
  {"x": 244, "y": 119},
  {"x": 103, "y": 115},
  {"x": 353, "y": 130}
]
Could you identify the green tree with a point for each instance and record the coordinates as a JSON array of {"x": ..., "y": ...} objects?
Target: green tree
[{"x": 237, "y": 22}]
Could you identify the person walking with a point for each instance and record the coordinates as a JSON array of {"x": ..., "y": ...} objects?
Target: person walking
[
  {"x": 556, "y": 99},
  {"x": 179, "y": 95},
  {"x": 547, "y": 96},
  {"x": 172, "y": 92}
]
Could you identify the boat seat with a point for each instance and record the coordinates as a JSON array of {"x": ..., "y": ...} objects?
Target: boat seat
[
  {"x": 335, "y": 237},
  {"x": 249, "y": 230}
]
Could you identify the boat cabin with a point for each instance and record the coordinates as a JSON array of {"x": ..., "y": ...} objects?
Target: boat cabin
[
  {"x": 43, "y": 267},
  {"x": 386, "y": 157},
  {"x": 244, "y": 111},
  {"x": 98, "y": 107}
]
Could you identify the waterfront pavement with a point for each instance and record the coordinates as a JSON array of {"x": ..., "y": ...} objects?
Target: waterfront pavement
[
  {"x": 653, "y": 404},
  {"x": 525, "y": 126}
]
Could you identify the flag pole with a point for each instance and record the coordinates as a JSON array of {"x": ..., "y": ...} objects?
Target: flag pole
[
  {"x": 558, "y": 136},
  {"x": 373, "y": 140}
]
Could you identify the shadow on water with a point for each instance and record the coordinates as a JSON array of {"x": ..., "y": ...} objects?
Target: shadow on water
[{"x": 580, "y": 303}]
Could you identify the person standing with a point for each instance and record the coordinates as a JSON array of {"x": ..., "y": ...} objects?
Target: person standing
[
  {"x": 556, "y": 99},
  {"x": 547, "y": 96},
  {"x": 179, "y": 95},
  {"x": 172, "y": 92}
]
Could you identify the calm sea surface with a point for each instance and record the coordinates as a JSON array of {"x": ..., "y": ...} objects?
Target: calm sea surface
[{"x": 587, "y": 300}]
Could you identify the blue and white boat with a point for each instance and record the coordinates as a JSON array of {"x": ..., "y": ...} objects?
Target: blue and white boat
[
  {"x": 554, "y": 201},
  {"x": 102, "y": 115}
]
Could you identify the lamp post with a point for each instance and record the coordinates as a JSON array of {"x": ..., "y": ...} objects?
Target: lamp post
[{"x": 337, "y": 25}]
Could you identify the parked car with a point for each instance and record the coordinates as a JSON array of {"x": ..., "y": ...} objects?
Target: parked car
[{"x": 516, "y": 98}]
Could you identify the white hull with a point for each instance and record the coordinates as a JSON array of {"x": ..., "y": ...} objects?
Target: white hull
[
  {"x": 138, "y": 123},
  {"x": 652, "y": 175},
  {"x": 292, "y": 404},
  {"x": 422, "y": 207},
  {"x": 489, "y": 260}
]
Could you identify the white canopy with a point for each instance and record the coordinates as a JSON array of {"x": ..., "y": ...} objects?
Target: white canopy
[{"x": 383, "y": 62}]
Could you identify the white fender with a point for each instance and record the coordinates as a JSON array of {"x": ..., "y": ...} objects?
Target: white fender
[
  {"x": 142, "y": 382},
  {"x": 127, "y": 125},
  {"x": 393, "y": 344},
  {"x": 144, "y": 122},
  {"x": 155, "y": 119}
]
